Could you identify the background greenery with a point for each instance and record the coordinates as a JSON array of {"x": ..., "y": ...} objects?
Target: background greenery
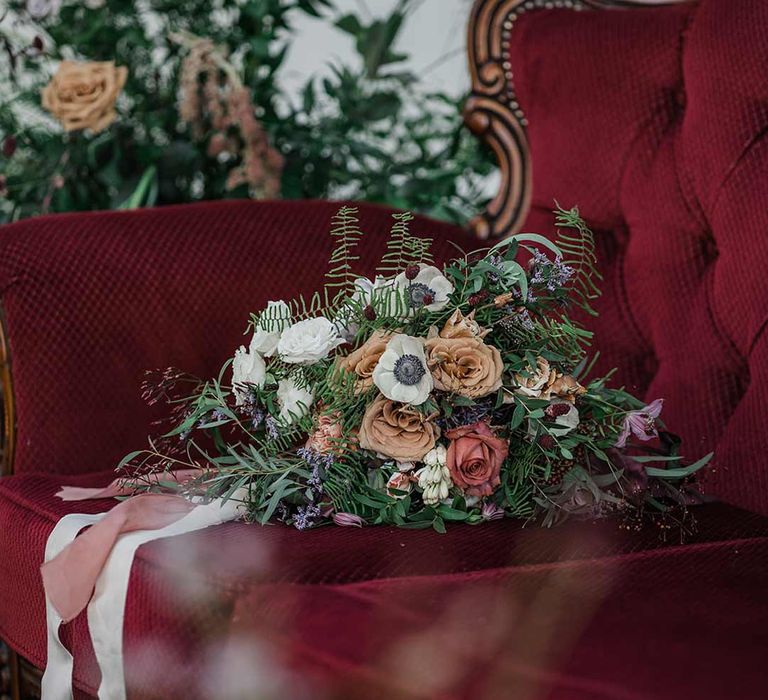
[{"x": 371, "y": 131}]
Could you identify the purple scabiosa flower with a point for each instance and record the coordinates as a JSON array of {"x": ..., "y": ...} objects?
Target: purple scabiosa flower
[
  {"x": 641, "y": 424},
  {"x": 490, "y": 511},
  {"x": 348, "y": 520}
]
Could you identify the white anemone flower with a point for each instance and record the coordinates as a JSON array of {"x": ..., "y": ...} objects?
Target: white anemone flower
[
  {"x": 401, "y": 373},
  {"x": 429, "y": 289},
  {"x": 271, "y": 322},
  {"x": 248, "y": 368}
]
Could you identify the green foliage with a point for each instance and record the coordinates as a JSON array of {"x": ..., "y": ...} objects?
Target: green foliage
[{"x": 370, "y": 131}]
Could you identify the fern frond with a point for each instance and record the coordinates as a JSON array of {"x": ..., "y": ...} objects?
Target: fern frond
[
  {"x": 340, "y": 278},
  {"x": 577, "y": 243}
]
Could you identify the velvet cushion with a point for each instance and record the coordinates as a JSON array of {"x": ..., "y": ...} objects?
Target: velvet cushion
[
  {"x": 582, "y": 611},
  {"x": 94, "y": 300},
  {"x": 653, "y": 121}
]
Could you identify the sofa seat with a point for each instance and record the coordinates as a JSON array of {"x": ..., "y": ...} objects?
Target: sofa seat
[{"x": 586, "y": 610}]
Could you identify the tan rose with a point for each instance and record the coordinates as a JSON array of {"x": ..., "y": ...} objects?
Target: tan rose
[
  {"x": 465, "y": 366},
  {"x": 397, "y": 431},
  {"x": 461, "y": 326},
  {"x": 82, "y": 94},
  {"x": 545, "y": 382},
  {"x": 363, "y": 360}
]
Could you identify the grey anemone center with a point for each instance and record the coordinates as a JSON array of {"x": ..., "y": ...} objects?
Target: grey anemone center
[
  {"x": 409, "y": 370},
  {"x": 416, "y": 293}
]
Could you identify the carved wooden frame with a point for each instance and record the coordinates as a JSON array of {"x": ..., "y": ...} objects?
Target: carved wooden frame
[
  {"x": 492, "y": 111},
  {"x": 7, "y": 407}
]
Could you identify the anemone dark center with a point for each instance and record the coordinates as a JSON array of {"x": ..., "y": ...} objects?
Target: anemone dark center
[
  {"x": 417, "y": 292},
  {"x": 409, "y": 370}
]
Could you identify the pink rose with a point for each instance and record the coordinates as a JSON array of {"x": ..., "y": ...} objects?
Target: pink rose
[{"x": 474, "y": 458}]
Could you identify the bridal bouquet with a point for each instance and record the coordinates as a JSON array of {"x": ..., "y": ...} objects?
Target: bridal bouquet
[{"x": 428, "y": 394}]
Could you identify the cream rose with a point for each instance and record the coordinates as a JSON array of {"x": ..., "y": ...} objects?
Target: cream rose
[
  {"x": 82, "y": 95},
  {"x": 247, "y": 368},
  {"x": 308, "y": 341},
  {"x": 464, "y": 366},
  {"x": 396, "y": 431},
  {"x": 294, "y": 401},
  {"x": 271, "y": 322}
]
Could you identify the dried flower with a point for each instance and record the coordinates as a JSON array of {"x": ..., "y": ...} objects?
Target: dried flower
[
  {"x": 461, "y": 326},
  {"x": 9, "y": 146},
  {"x": 327, "y": 435},
  {"x": 544, "y": 382},
  {"x": 82, "y": 95},
  {"x": 399, "y": 481},
  {"x": 396, "y": 431}
]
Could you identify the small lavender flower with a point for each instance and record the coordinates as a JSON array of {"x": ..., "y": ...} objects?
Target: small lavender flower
[
  {"x": 466, "y": 415},
  {"x": 496, "y": 261},
  {"x": 306, "y": 516},
  {"x": 271, "y": 425},
  {"x": 559, "y": 275}
]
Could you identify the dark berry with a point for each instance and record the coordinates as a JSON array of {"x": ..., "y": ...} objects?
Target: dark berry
[
  {"x": 557, "y": 409},
  {"x": 475, "y": 299},
  {"x": 411, "y": 272},
  {"x": 9, "y": 146},
  {"x": 37, "y": 43},
  {"x": 547, "y": 442},
  {"x": 428, "y": 299},
  {"x": 370, "y": 313}
]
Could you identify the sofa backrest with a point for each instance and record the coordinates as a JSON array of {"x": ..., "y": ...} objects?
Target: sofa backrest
[
  {"x": 653, "y": 121},
  {"x": 93, "y": 300}
]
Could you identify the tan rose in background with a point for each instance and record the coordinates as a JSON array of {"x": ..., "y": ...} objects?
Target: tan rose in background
[
  {"x": 397, "y": 431},
  {"x": 545, "y": 382},
  {"x": 363, "y": 360},
  {"x": 474, "y": 458},
  {"x": 465, "y": 366},
  {"x": 82, "y": 94}
]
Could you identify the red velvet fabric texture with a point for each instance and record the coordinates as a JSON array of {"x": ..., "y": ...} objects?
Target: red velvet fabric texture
[
  {"x": 653, "y": 122},
  {"x": 582, "y": 611},
  {"x": 92, "y": 301}
]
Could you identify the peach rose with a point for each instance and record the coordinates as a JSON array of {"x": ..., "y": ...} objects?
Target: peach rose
[
  {"x": 475, "y": 456},
  {"x": 326, "y": 437},
  {"x": 465, "y": 366},
  {"x": 397, "y": 431},
  {"x": 363, "y": 360},
  {"x": 82, "y": 94}
]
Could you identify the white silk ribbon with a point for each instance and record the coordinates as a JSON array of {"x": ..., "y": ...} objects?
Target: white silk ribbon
[{"x": 106, "y": 611}]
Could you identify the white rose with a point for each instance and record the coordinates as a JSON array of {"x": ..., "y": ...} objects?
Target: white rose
[
  {"x": 294, "y": 401},
  {"x": 247, "y": 368},
  {"x": 430, "y": 285},
  {"x": 309, "y": 341},
  {"x": 401, "y": 373},
  {"x": 272, "y": 321}
]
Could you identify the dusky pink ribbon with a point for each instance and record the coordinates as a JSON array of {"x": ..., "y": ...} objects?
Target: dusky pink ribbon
[
  {"x": 69, "y": 578},
  {"x": 125, "y": 486}
]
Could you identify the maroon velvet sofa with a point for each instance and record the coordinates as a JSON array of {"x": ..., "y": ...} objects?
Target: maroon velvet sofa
[{"x": 654, "y": 122}]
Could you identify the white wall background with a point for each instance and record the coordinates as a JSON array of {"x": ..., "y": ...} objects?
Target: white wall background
[{"x": 433, "y": 34}]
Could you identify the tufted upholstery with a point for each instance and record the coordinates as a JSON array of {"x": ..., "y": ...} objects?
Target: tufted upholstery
[
  {"x": 653, "y": 121},
  {"x": 92, "y": 301}
]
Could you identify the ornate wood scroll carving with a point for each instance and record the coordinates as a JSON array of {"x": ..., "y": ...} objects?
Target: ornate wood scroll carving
[{"x": 492, "y": 111}]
